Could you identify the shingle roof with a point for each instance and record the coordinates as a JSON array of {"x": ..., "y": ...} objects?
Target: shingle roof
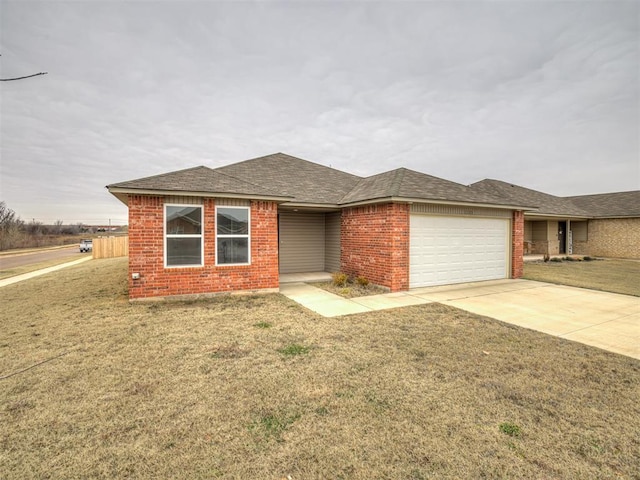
[
  {"x": 406, "y": 183},
  {"x": 515, "y": 194},
  {"x": 619, "y": 204},
  {"x": 305, "y": 181},
  {"x": 199, "y": 179},
  {"x": 296, "y": 180}
]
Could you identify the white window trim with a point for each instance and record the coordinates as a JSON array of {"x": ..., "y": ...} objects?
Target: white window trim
[
  {"x": 247, "y": 236},
  {"x": 166, "y": 236}
]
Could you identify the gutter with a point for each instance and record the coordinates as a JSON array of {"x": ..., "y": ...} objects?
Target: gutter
[
  {"x": 121, "y": 194},
  {"x": 437, "y": 202},
  {"x": 558, "y": 215}
]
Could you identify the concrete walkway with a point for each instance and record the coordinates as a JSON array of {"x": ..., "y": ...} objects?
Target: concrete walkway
[
  {"x": 605, "y": 320},
  {"x": 37, "y": 273}
]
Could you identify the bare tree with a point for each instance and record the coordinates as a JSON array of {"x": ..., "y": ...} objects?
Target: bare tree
[
  {"x": 35, "y": 228},
  {"x": 7, "y": 216},
  {"x": 10, "y": 227}
]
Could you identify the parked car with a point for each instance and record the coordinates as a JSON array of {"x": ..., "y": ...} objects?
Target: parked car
[{"x": 86, "y": 245}]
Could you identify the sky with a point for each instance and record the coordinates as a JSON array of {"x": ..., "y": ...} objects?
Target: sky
[{"x": 541, "y": 94}]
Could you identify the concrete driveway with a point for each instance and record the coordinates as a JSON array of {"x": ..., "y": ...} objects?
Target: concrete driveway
[{"x": 606, "y": 320}]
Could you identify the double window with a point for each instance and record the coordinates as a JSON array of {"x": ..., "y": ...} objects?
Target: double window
[{"x": 184, "y": 239}]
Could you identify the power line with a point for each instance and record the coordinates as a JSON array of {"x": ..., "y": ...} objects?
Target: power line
[{"x": 20, "y": 78}]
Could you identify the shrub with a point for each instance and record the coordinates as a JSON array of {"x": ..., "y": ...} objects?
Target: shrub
[
  {"x": 362, "y": 281},
  {"x": 340, "y": 279},
  {"x": 272, "y": 425},
  {"x": 294, "y": 349},
  {"x": 556, "y": 259},
  {"x": 588, "y": 259},
  {"x": 510, "y": 429}
]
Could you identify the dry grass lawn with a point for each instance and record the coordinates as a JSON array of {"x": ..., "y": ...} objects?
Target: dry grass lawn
[
  {"x": 258, "y": 387},
  {"x": 617, "y": 276}
]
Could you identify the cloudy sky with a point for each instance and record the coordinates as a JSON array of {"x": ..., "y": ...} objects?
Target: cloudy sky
[{"x": 541, "y": 94}]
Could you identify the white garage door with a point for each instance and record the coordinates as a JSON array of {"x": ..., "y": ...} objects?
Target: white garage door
[{"x": 446, "y": 250}]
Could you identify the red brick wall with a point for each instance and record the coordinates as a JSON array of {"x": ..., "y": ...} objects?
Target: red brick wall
[
  {"x": 146, "y": 253},
  {"x": 375, "y": 244},
  {"x": 517, "y": 244}
]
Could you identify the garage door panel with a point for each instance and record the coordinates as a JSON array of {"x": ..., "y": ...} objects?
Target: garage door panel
[{"x": 445, "y": 250}]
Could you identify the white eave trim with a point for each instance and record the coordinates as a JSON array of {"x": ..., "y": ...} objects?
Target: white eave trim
[
  {"x": 119, "y": 191},
  {"x": 437, "y": 202},
  {"x": 311, "y": 205},
  {"x": 556, "y": 215}
]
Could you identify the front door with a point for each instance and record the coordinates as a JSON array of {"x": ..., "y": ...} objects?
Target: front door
[{"x": 562, "y": 237}]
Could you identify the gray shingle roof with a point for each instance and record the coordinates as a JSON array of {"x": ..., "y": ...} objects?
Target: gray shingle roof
[
  {"x": 199, "y": 179},
  {"x": 514, "y": 194},
  {"x": 619, "y": 204},
  {"x": 305, "y": 181},
  {"x": 296, "y": 180},
  {"x": 406, "y": 183}
]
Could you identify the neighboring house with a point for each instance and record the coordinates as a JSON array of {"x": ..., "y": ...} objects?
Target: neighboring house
[
  {"x": 241, "y": 226},
  {"x": 606, "y": 225}
]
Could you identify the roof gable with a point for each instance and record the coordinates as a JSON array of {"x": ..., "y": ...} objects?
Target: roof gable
[
  {"x": 197, "y": 180},
  {"x": 405, "y": 183},
  {"x": 305, "y": 181}
]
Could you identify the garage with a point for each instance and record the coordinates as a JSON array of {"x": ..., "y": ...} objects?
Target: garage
[{"x": 446, "y": 250}]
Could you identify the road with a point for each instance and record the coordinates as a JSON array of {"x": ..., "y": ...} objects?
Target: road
[{"x": 23, "y": 259}]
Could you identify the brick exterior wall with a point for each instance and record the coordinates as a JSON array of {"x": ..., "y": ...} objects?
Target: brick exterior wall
[
  {"x": 517, "y": 244},
  {"x": 614, "y": 237},
  {"x": 375, "y": 244},
  {"x": 146, "y": 253},
  {"x": 580, "y": 248}
]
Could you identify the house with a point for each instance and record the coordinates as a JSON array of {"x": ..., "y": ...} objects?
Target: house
[
  {"x": 605, "y": 225},
  {"x": 241, "y": 226}
]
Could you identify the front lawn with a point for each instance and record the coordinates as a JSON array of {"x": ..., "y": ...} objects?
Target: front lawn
[
  {"x": 617, "y": 276},
  {"x": 259, "y": 387}
]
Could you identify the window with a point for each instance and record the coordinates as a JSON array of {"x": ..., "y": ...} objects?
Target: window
[
  {"x": 232, "y": 235},
  {"x": 183, "y": 235}
]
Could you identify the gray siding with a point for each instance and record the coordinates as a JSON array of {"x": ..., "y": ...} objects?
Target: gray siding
[
  {"x": 302, "y": 242},
  {"x": 332, "y": 242}
]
